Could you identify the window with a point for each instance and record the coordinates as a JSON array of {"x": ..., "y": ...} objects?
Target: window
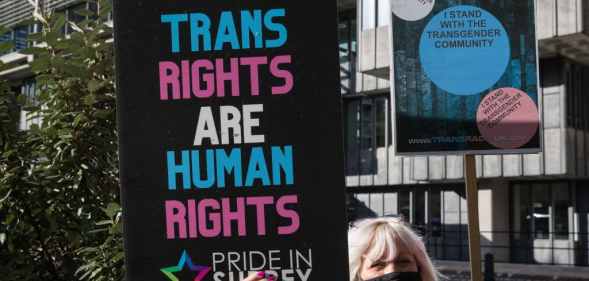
[
  {"x": 21, "y": 34},
  {"x": 434, "y": 210},
  {"x": 93, "y": 8},
  {"x": 74, "y": 15},
  {"x": 380, "y": 123},
  {"x": 367, "y": 128},
  {"x": 577, "y": 81},
  {"x": 383, "y": 12},
  {"x": 542, "y": 222},
  {"x": 375, "y": 13},
  {"x": 18, "y": 36},
  {"x": 541, "y": 214},
  {"x": 101, "y": 9},
  {"x": 405, "y": 205},
  {"x": 544, "y": 225},
  {"x": 27, "y": 119},
  {"x": 6, "y": 37},
  {"x": 347, "y": 53},
  {"x": 438, "y": 214},
  {"x": 419, "y": 218},
  {"x": 79, "y": 13},
  {"x": 562, "y": 204},
  {"x": 521, "y": 212},
  {"x": 366, "y": 137},
  {"x": 368, "y": 14}
]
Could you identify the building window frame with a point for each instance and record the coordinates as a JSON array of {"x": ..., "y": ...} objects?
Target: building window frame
[
  {"x": 527, "y": 238},
  {"x": 365, "y": 131}
]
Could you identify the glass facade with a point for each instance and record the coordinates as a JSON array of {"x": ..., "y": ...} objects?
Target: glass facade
[
  {"x": 543, "y": 222},
  {"x": 546, "y": 224},
  {"x": 18, "y": 36},
  {"x": 368, "y": 8},
  {"x": 347, "y": 52},
  {"x": 577, "y": 83},
  {"x": 366, "y": 129},
  {"x": 6, "y": 37},
  {"x": 29, "y": 92},
  {"x": 375, "y": 13},
  {"x": 436, "y": 212},
  {"x": 77, "y": 14}
]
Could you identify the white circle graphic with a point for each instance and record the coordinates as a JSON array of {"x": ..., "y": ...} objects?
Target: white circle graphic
[{"x": 412, "y": 10}]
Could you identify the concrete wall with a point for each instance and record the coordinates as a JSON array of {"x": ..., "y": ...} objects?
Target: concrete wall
[
  {"x": 559, "y": 18},
  {"x": 14, "y": 11},
  {"x": 561, "y": 28},
  {"x": 452, "y": 243},
  {"x": 51, "y": 5},
  {"x": 499, "y": 222}
]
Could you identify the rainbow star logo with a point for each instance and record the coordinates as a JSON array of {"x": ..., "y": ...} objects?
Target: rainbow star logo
[{"x": 185, "y": 260}]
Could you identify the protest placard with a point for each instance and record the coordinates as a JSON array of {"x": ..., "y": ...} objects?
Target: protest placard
[
  {"x": 230, "y": 140},
  {"x": 465, "y": 77}
]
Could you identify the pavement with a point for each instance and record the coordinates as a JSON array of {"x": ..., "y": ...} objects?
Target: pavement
[{"x": 511, "y": 271}]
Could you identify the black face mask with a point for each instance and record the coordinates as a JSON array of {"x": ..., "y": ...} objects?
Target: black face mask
[{"x": 398, "y": 276}]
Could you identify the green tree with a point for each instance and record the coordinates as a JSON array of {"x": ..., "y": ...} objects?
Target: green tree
[{"x": 59, "y": 188}]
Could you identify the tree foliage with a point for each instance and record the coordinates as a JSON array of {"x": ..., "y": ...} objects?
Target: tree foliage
[{"x": 59, "y": 188}]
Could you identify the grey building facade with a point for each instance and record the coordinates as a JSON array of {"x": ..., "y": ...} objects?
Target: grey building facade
[{"x": 532, "y": 207}]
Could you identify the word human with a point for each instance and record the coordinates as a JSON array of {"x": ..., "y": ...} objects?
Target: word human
[
  {"x": 265, "y": 166},
  {"x": 228, "y": 217},
  {"x": 203, "y": 36}
]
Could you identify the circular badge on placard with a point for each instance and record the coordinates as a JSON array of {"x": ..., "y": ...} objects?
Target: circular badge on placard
[
  {"x": 412, "y": 10},
  {"x": 464, "y": 50},
  {"x": 508, "y": 118}
]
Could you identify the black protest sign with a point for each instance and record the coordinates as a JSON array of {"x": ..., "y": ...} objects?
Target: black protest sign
[{"x": 230, "y": 140}]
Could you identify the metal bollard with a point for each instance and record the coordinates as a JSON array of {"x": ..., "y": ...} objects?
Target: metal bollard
[{"x": 489, "y": 268}]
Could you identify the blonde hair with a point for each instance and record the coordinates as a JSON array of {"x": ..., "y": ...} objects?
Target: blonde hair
[{"x": 378, "y": 239}]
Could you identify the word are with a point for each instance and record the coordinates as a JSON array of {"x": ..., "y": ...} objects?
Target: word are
[
  {"x": 227, "y": 217},
  {"x": 267, "y": 166},
  {"x": 233, "y": 122},
  {"x": 205, "y": 78},
  {"x": 203, "y": 36}
]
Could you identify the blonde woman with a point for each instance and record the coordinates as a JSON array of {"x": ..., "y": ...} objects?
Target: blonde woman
[
  {"x": 386, "y": 249},
  {"x": 382, "y": 249}
]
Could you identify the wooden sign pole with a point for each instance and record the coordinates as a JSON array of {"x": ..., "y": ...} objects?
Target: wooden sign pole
[{"x": 472, "y": 199}]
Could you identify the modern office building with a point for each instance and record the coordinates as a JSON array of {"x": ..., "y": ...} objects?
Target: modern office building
[{"x": 533, "y": 208}]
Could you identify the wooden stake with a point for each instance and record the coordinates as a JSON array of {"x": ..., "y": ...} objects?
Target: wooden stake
[{"x": 472, "y": 200}]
